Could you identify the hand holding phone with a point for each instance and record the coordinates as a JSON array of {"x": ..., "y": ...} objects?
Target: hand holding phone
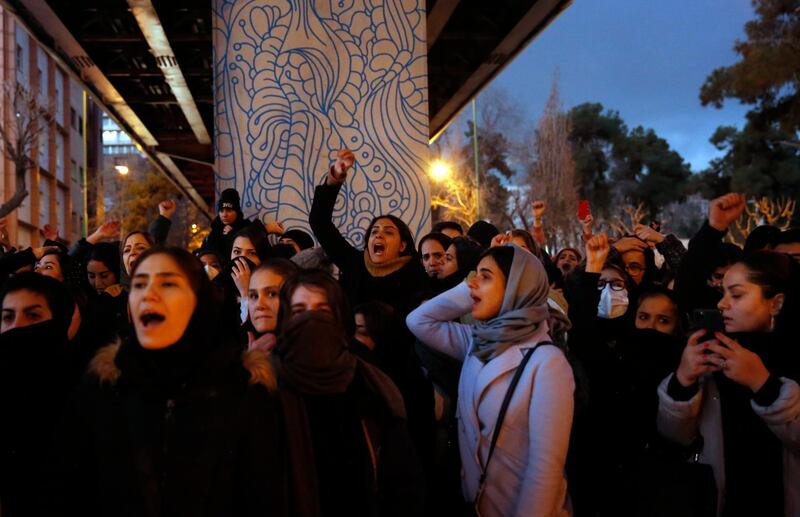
[{"x": 583, "y": 209}]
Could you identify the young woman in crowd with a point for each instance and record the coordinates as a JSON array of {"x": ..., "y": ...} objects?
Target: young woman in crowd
[
  {"x": 263, "y": 302},
  {"x": 461, "y": 258},
  {"x": 738, "y": 389},
  {"x": 618, "y": 338},
  {"x": 34, "y": 381},
  {"x": 567, "y": 260},
  {"x": 133, "y": 245},
  {"x": 524, "y": 473},
  {"x": 102, "y": 266},
  {"x": 348, "y": 449},
  {"x": 386, "y": 269},
  {"x": 171, "y": 422},
  {"x": 432, "y": 250},
  {"x": 699, "y": 278}
]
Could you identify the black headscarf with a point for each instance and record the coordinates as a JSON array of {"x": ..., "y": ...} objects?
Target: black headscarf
[{"x": 312, "y": 355}]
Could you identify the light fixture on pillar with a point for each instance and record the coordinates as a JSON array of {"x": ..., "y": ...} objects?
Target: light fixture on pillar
[{"x": 122, "y": 169}]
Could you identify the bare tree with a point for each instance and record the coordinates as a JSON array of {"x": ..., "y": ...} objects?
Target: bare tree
[
  {"x": 19, "y": 136},
  {"x": 552, "y": 175}
]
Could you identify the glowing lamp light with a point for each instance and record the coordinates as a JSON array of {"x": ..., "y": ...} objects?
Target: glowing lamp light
[
  {"x": 440, "y": 171},
  {"x": 122, "y": 169}
]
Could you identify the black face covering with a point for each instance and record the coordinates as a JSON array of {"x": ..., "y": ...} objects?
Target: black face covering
[
  {"x": 651, "y": 355},
  {"x": 40, "y": 348},
  {"x": 312, "y": 355}
]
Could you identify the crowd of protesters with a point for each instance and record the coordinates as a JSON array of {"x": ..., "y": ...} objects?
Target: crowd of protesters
[{"x": 465, "y": 374}]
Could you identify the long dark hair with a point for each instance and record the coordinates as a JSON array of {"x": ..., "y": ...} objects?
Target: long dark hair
[
  {"x": 281, "y": 266},
  {"x": 659, "y": 290},
  {"x": 321, "y": 281},
  {"x": 257, "y": 238},
  {"x": 59, "y": 300},
  {"x": 468, "y": 254},
  {"x": 402, "y": 227},
  {"x": 776, "y": 273},
  {"x": 107, "y": 254}
]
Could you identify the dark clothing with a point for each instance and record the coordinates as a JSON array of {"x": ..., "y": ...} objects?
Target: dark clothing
[
  {"x": 221, "y": 242},
  {"x": 33, "y": 388},
  {"x": 623, "y": 367},
  {"x": 349, "y": 452},
  {"x": 171, "y": 433},
  {"x": 398, "y": 289},
  {"x": 11, "y": 262},
  {"x": 673, "y": 252},
  {"x": 703, "y": 256},
  {"x": 753, "y": 453}
]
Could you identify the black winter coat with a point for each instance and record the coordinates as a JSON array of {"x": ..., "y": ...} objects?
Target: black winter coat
[
  {"x": 208, "y": 448},
  {"x": 398, "y": 289},
  {"x": 222, "y": 242},
  {"x": 33, "y": 388}
]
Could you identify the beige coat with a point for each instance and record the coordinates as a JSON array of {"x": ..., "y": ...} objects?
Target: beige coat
[{"x": 526, "y": 474}]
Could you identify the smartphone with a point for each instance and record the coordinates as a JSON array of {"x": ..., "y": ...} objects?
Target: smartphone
[
  {"x": 583, "y": 209},
  {"x": 708, "y": 319}
]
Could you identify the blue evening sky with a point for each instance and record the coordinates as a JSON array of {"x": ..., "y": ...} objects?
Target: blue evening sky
[{"x": 644, "y": 58}]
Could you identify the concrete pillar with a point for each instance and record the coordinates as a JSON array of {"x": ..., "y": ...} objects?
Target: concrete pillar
[{"x": 295, "y": 80}]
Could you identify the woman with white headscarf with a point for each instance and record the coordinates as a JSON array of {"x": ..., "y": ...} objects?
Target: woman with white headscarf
[{"x": 513, "y": 463}]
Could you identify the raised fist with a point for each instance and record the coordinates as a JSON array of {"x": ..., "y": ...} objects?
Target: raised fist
[
  {"x": 49, "y": 232},
  {"x": 166, "y": 208},
  {"x": 344, "y": 160},
  {"x": 725, "y": 210},
  {"x": 537, "y": 208},
  {"x": 597, "y": 250}
]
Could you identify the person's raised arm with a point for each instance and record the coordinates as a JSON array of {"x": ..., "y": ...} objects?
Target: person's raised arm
[
  {"x": 432, "y": 322},
  {"x": 538, "y": 208},
  {"x": 160, "y": 227},
  {"x": 705, "y": 248},
  {"x": 341, "y": 252}
]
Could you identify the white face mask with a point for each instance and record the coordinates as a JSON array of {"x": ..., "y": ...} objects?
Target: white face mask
[{"x": 613, "y": 304}]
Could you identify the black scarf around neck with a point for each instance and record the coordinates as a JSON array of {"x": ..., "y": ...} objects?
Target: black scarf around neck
[{"x": 753, "y": 454}]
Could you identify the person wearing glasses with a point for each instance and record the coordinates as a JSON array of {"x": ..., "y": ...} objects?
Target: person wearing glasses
[
  {"x": 622, "y": 361},
  {"x": 637, "y": 259}
]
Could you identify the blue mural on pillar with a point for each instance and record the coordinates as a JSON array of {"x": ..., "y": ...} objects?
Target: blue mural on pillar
[{"x": 295, "y": 80}]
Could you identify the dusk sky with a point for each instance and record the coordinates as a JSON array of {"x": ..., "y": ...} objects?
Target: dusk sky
[{"x": 645, "y": 59}]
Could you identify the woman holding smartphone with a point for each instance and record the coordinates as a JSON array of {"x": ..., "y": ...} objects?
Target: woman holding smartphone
[{"x": 739, "y": 391}]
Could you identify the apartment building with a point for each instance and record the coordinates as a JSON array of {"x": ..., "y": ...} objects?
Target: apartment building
[{"x": 68, "y": 152}]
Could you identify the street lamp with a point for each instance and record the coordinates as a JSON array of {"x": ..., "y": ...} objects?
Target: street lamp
[
  {"x": 440, "y": 171},
  {"x": 122, "y": 169}
]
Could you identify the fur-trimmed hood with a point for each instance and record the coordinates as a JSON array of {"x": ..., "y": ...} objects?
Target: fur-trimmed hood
[{"x": 104, "y": 367}]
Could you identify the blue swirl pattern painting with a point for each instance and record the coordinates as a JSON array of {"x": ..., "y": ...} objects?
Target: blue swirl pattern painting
[{"x": 296, "y": 80}]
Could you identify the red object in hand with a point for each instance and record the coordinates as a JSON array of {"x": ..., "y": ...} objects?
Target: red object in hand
[{"x": 583, "y": 209}]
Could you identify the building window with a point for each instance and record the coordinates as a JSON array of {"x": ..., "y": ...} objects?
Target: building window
[
  {"x": 73, "y": 118},
  {"x": 19, "y": 56},
  {"x": 80, "y": 125}
]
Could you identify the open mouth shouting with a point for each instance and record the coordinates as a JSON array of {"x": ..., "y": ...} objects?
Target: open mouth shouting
[
  {"x": 378, "y": 249},
  {"x": 151, "y": 320}
]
